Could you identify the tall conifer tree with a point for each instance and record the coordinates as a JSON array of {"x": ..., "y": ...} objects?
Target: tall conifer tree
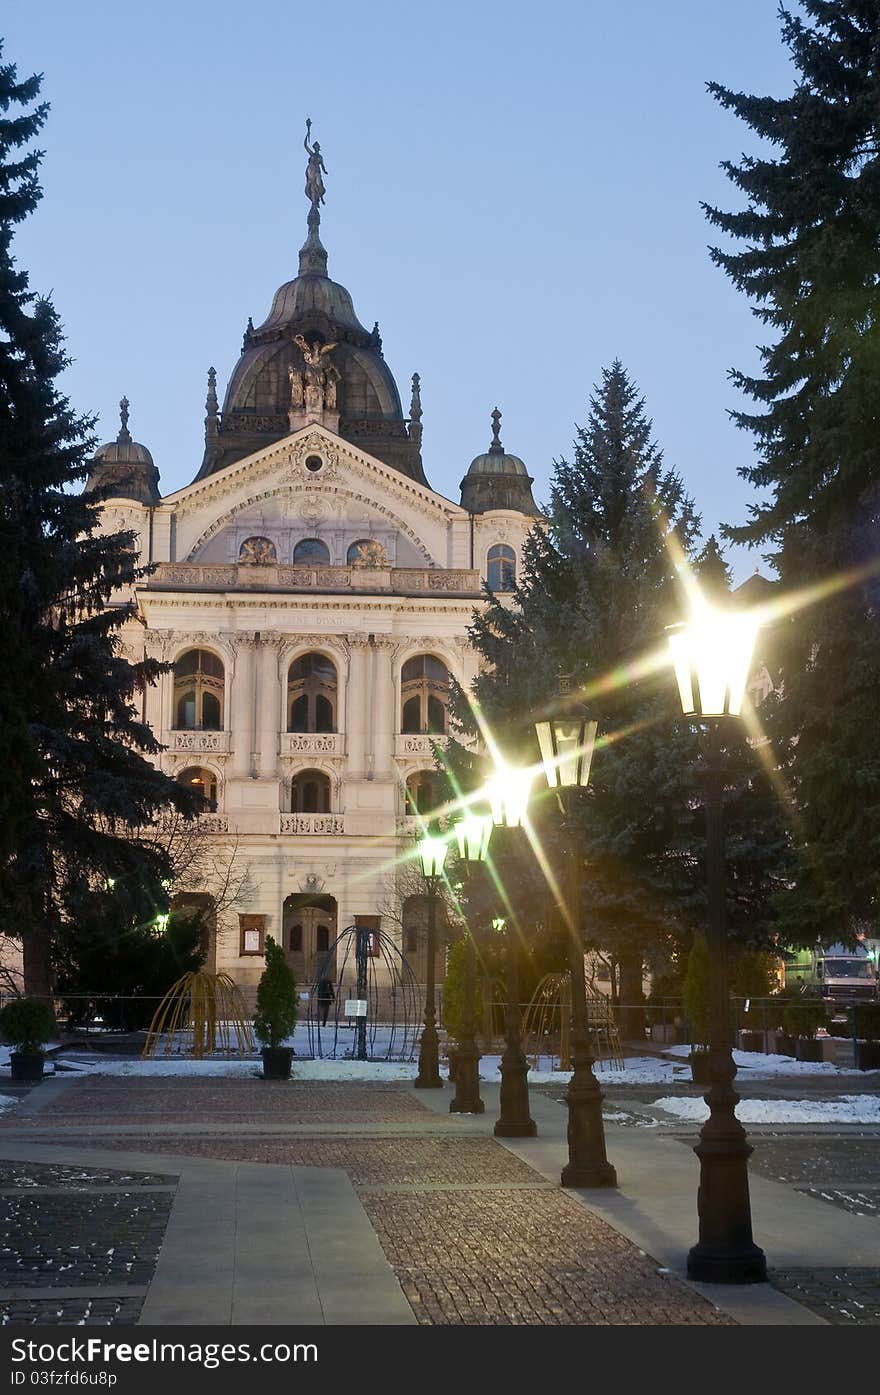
[
  {"x": 597, "y": 588},
  {"x": 809, "y": 260},
  {"x": 76, "y": 787}
]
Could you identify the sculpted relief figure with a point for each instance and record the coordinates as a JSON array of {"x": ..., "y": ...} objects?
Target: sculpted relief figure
[{"x": 320, "y": 375}]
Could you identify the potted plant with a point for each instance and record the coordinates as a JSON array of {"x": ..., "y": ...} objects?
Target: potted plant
[
  {"x": 27, "y": 1024},
  {"x": 696, "y": 1007},
  {"x": 276, "y": 1013},
  {"x": 865, "y": 1023},
  {"x": 802, "y": 1018}
]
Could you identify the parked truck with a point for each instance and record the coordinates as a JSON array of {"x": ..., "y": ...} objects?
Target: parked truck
[{"x": 839, "y": 975}]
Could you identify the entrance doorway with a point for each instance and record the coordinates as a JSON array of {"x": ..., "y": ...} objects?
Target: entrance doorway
[{"x": 309, "y": 929}]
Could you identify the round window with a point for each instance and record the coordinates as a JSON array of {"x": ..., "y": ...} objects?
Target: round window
[{"x": 313, "y": 463}]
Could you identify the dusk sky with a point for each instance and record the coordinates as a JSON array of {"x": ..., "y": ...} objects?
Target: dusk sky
[{"x": 513, "y": 191}]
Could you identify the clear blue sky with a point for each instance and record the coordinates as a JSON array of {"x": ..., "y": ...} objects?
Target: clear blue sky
[{"x": 513, "y": 192}]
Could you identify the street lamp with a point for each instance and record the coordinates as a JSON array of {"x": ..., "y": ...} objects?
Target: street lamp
[
  {"x": 432, "y": 849},
  {"x": 508, "y": 795},
  {"x": 472, "y": 833},
  {"x": 712, "y": 658},
  {"x": 566, "y": 739}
]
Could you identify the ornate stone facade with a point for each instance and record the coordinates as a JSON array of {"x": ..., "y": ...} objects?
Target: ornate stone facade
[{"x": 308, "y": 587}]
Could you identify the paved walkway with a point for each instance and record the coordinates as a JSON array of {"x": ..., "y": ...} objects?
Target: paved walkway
[{"x": 238, "y": 1201}]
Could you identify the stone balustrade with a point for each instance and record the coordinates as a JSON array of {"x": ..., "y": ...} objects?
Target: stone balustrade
[
  {"x": 200, "y": 741},
  {"x": 312, "y": 823},
  {"x": 407, "y": 745},
  {"x": 307, "y": 743},
  {"x": 232, "y": 576}
]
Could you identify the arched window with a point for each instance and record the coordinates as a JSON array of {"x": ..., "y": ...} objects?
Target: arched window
[
  {"x": 424, "y": 791},
  {"x": 198, "y": 691},
  {"x": 322, "y": 939},
  {"x": 367, "y": 552},
  {"x": 296, "y": 939},
  {"x": 311, "y": 694},
  {"x": 259, "y": 552},
  {"x": 204, "y": 781},
  {"x": 310, "y": 793},
  {"x": 501, "y": 568},
  {"x": 424, "y": 695},
  {"x": 311, "y": 552}
]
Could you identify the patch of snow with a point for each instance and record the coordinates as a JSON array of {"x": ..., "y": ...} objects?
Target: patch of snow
[{"x": 846, "y": 1109}]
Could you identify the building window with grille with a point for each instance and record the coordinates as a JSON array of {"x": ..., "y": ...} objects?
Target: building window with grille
[
  {"x": 204, "y": 782},
  {"x": 424, "y": 695},
  {"x": 311, "y": 552},
  {"x": 311, "y": 694},
  {"x": 424, "y": 792},
  {"x": 199, "y": 683},
  {"x": 310, "y": 793},
  {"x": 501, "y": 568}
]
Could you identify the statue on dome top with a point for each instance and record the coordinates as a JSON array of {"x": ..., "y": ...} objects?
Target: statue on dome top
[{"x": 314, "y": 183}]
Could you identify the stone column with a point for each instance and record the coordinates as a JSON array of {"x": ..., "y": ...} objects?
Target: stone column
[
  {"x": 386, "y": 720},
  {"x": 269, "y": 715},
  {"x": 356, "y": 706},
  {"x": 240, "y": 699}
]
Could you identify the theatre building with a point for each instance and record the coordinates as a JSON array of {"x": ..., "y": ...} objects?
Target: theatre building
[{"x": 312, "y": 593}]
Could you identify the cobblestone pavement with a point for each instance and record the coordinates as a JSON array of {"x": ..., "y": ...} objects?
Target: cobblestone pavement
[
  {"x": 474, "y": 1235},
  {"x": 66, "y": 1228},
  {"x": 523, "y": 1259}
]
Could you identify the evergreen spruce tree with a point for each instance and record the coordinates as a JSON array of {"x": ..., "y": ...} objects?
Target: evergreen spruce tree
[
  {"x": 809, "y": 259},
  {"x": 76, "y": 787},
  {"x": 596, "y": 590}
]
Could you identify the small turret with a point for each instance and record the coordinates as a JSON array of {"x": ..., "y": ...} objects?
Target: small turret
[
  {"x": 498, "y": 480},
  {"x": 124, "y": 468}
]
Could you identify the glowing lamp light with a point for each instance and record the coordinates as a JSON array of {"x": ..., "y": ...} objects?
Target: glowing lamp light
[
  {"x": 508, "y": 795},
  {"x": 161, "y": 922},
  {"x": 472, "y": 833},
  {"x": 712, "y": 658},
  {"x": 432, "y": 850},
  {"x": 499, "y": 924},
  {"x": 566, "y": 745}
]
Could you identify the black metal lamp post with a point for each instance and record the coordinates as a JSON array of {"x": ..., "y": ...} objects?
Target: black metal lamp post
[
  {"x": 566, "y": 741},
  {"x": 432, "y": 849},
  {"x": 712, "y": 657},
  {"x": 472, "y": 833},
  {"x": 508, "y": 794}
]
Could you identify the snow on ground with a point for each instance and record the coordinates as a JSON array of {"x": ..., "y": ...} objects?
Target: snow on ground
[{"x": 846, "y": 1109}]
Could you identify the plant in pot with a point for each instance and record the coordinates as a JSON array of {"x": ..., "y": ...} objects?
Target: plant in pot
[
  {"x": 802, "y": 1017},
  {"x": 696, "y": 1007},
  {"x": 26, "y": 1025},
  {"x": 865, "y": 1026},
  {"x": 276, "y": 1012}
]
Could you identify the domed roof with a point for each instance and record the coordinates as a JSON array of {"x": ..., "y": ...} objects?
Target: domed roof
[
  {"x": 497, "y": 480},
  {"x": 125, "y": 467},
  {"x": 312, "y": 324}
]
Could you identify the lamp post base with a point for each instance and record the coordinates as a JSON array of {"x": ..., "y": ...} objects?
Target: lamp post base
[
  {"x": 587, "y": 1164},
  {"x": 467, "y": 1083},
  {"x": 514, "y": 1120},
  {"x": 428, "y": 1077},
  {"x": 744, "y": 1264}
]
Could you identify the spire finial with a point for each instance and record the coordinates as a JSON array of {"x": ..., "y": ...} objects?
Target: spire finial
[
  {"x": 124, "y": 434},
  {"x": 312, "y": 256},
  {"x": 496, "y": 447},
  {"x": 211, "y": 412},
  {"x": 249, "y": 329},
  {"x": 415, "y": 411}
]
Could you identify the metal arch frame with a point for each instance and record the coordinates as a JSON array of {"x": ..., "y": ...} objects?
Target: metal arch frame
[{"x": 346, "y": 949}]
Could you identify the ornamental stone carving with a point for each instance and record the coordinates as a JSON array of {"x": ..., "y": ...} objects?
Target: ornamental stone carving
[
  {"x": 312, "y": 824},
  {"x": 199, "y": 741}
]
